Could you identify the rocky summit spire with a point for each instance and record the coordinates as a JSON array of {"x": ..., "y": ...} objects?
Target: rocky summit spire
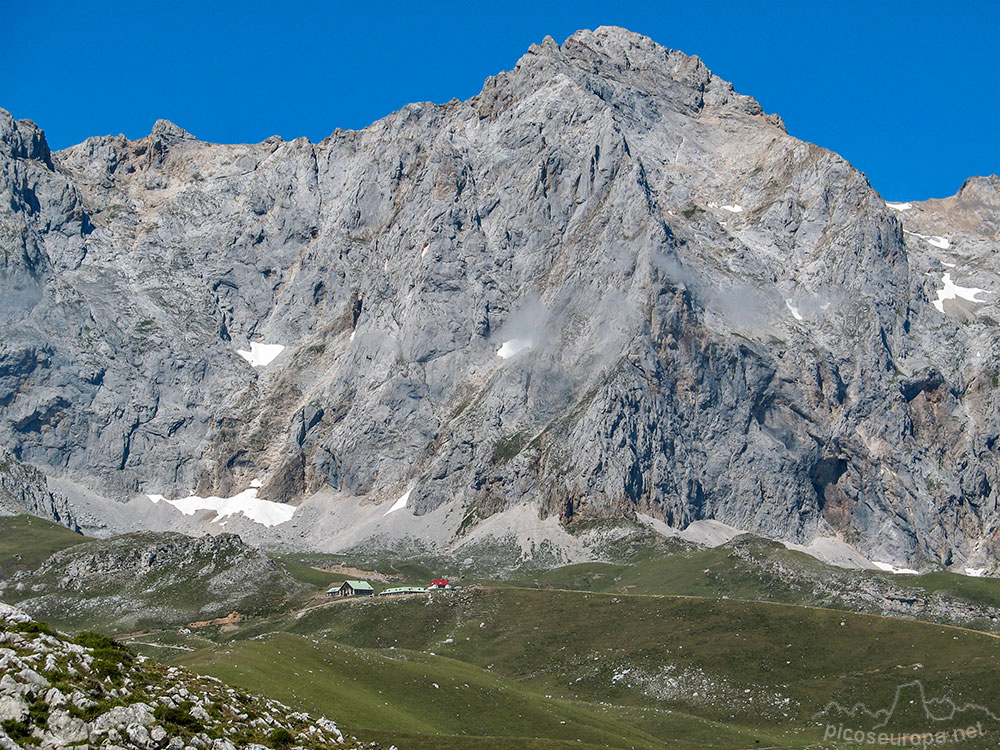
[
  {"x": 23, "y": 139},
  {"x": 165, "y": 130},
  {"x": 621, "y": 66}
]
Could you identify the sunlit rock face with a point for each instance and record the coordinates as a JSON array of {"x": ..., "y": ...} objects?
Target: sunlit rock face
[{"x": 606, "y": 285}]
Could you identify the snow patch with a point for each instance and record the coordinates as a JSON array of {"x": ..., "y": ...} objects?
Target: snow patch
[
  {"x": 899, "y": 206},
  {"x": 931, "y": 239},
  {"x": 733, "y": 209},
  {"x": 794, "y": 310},
  {"x": 264, "y": 512},
  {"x": 260, "y": 355},
  {"x": 889, "y": 568},
  {"x": 513, "y": 347},
  {"x": 975, "y": 572},
  {"x": 951, "y": 290},
  {"x": 400, "y": 503},
  {"x": 256, "y": 484}
]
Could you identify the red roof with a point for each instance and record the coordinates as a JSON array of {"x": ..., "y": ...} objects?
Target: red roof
[{"x": 439, "y": 582}]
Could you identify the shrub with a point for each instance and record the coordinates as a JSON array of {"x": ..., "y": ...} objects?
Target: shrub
[
  {"x": 33, "y": 628},
  {"x": 508, "y": 447},
  {"x": 109, "y": 655},
  {"x": 16, "y": 730},
  {"x": 88, "y": 639},
  {"x": 178, "y": 717},
  {"x": 38, "y": 713},
  {"x": 112, "y": 655},
  {"x": 280, "y": 738},
  {"x": 107, "y": 669}
]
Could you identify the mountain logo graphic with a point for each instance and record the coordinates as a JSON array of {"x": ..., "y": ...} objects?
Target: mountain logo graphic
[{"x": 910, "y": 703}]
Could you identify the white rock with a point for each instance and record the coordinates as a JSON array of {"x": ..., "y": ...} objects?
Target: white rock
[
  {"x": 9, "y": 686},
  {"x": 31, "y": 676},
  {"x": 55, "y": 698},
  {"x": 64, "y": 729},
  {"x": 138, "y": 735},
  {"x": 80, "y": 700},
  {"x": 12, "y": 614},
  {"x": 12, "y": 708},
  {"x": 119, "y": 716}
]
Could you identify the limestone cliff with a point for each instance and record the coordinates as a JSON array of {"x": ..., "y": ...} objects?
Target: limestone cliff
[{"x": 607, "y": 284}]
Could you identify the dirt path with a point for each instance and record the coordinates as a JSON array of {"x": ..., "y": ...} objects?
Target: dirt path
[
  {"x": 229, "y": 620},
  {"x": 348, "y": 572}
]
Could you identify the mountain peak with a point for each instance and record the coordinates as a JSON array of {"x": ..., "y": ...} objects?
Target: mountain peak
[
  {"x": 167, "y": 131},
  {"x": 615, "y": 37},
  {"x": 607, "y": 45},
  {"x": 626, "y": 69},
  {"x": 983, "y": 189},
  {"x": 23, "y": 139}
]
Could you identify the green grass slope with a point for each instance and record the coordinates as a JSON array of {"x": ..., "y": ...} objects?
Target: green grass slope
[
  {"x": 26, "y": 542},
  {"x": 379, "y": 693},
  {"x": 683, "y": 672},
  {"x": 757, "y": 569}
]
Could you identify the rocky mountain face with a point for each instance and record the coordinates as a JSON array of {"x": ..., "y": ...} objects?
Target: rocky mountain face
[
  {"x": 91, "y": 692},
  {"x": 608, "y": 285},
  {"x": 24, "y": 489}
]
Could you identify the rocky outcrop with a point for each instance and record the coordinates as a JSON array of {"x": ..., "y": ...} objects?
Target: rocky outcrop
[
  {"x": 607, "y": 284},
  {"x": 857, "y": 590},
  {"x": 23, "y": 489},
  {"x": 147, "y": 578},
  {"x": 91, "y": 692}
]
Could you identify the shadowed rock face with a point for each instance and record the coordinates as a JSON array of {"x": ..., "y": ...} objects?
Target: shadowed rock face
[
  {"x": 23, "y": 489},
  {"x": 712, "y": 319}
]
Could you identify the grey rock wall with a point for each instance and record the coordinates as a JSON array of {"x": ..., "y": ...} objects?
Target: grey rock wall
[
  {"x": 23, "y": 489},
  {"x": 724, "y": 321}
]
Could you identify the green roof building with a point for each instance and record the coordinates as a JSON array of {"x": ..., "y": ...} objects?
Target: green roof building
[
  {"x": 352, "y": 588},
  {"x": 402, "y": 590}
]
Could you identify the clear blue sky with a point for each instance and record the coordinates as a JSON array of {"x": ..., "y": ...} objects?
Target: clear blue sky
[{"x": 909, "y": 92}]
